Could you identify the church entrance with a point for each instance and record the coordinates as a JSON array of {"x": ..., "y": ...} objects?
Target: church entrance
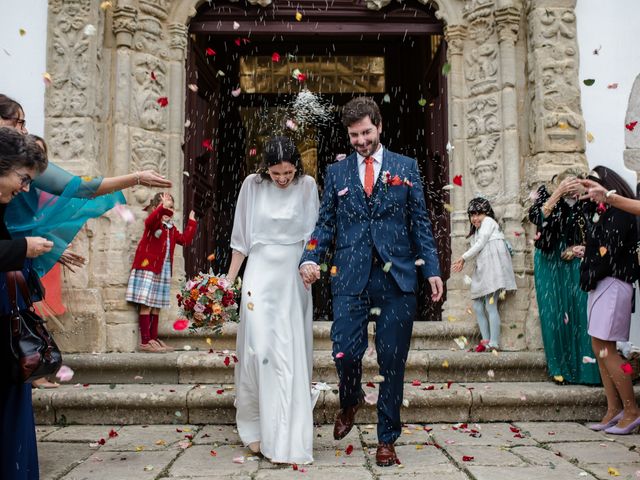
[{"x": 257, "y": 72}]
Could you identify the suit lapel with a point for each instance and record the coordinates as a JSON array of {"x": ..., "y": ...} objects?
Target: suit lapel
[
  {"x": 354, "y": 183},
  {"x": 379, "y": 188}
]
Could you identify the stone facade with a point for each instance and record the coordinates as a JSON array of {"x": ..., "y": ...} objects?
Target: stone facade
[{"x": 514, "y": 113}]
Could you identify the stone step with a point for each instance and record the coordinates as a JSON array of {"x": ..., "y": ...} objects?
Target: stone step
[
  {"x": 426, "y": 336},
  {"x": 213, "y": 404},
  {"x": 218, "y": 366}
]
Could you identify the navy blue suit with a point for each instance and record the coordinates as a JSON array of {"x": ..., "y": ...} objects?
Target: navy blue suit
[{"x": 391, "y": 226}]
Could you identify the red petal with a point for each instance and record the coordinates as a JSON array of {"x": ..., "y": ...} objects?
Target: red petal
[
  {"x": 208, "y": 144},
  {"x": 210, "y": 52},
  {"x": 180, "y": 324},
  {"x": 113, "y": 433},
  {"x": 275, "y": 57},
  {"x": 514, "y": 429},
  {"x": 371, "y": 385},
  {"x": 416, "y": 383},
  {"x": 349, "y": 449},
  {"x": 626, "y": 368},
  {"x": 102, "y": 441},
  {"x": 457, "y": 180},
  {"x": 163, "y": 101},
  {"x": 153, "y": 76},
  {"x": 220, "y": 391},
  {"x": 227, "y": 361},
  {"x": 631, "y": 125},
  {"x": 467, "y": 458},
  {"x": 294, "y": 466}
]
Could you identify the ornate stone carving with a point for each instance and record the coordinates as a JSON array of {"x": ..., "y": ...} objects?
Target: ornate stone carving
[
  {"x": 631, "y": 138},
  {"x": 156, "y": 8},
  {"x": 68, "y": 139},
  {"x": 484, "y": 173},
  {"x": 481, "y": 59},
  {"x": 150, "y": 76},
  {"x": 455, "y": 35},
  {"x": 178, "y": 36},
  {"x": 557, "y": 123},
  {"x": 262, "y": 3},
  {"x": 508, "y": 20},
  {"x": 483, "y": 135},
  {"x": 148, "y": 153},
  {"x": 124, "y": 24},
  {"x": 149, "y": 37},
  {"x": 69, "y": 58}
]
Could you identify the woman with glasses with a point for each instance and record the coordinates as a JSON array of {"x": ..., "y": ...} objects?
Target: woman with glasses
[{"x": 21, "y": 160}]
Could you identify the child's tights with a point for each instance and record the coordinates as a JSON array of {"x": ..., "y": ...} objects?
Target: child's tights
[{"x": 489, "y": 327}]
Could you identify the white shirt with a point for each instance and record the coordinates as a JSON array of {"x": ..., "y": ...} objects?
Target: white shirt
[{"x": 377, "y": 165}]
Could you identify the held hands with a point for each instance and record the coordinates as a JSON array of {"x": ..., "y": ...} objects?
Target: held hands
[
  {"x": 458, "y": 265},
  {"x": 309, "y": 273},
  {"x": 37, "y": 246},
  {"x": 151, "y": 178}
]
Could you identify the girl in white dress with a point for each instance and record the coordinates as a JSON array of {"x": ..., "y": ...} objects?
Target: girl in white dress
[
  {"x": 275, "y": 215},
  {"x": 493, "y": 272}
]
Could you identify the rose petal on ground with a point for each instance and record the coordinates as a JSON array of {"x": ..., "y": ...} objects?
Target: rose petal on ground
[
  {"x": 64, "y": 374},
  {"x": 180, "y": 324}
]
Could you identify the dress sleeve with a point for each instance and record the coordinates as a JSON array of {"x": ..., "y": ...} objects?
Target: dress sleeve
[
  {"x": 241, "y": 234},
  {"x": 311, "y": 207},
  {"x": 482, "y": 236},
  {"x": 56, "y": 180}
]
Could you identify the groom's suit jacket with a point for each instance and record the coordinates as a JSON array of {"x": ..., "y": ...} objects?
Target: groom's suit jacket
[{"x": 393, "y": 221}]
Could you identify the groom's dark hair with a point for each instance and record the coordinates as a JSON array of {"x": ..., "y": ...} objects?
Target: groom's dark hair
[{"x": 358, "y": 108}]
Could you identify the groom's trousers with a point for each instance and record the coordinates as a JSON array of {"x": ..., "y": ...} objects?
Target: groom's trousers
[{"x": 351, "y": 314}]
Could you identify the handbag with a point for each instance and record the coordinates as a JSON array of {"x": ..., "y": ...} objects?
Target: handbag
[{"x": 29, "y": 347}]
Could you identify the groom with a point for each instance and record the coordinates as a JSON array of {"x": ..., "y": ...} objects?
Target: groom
[{"x": 373, "y": 206}]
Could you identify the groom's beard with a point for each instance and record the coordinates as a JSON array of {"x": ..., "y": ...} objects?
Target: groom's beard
[{"x": 368, "y": 150}]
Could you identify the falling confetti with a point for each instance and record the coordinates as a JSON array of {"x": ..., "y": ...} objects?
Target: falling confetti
[
  {"x": 563, "y": 125},
  {"x": 467, "y": 280},
  {"x": 211, "y": 257},
  {"x": 236, "y": 25},
  {"x": 145, "y": 262},
  {"x": 180, "y": 324},
  {"x": 64, "y": 374},
  {"x": 209, "y": 52},
  {"x": 491, "y": 374},
  {"x": 558, "y": 378},
  {"x": 419, "y": 262},
  {"x": 387, "y": 266},
  {"x": 589, "y": 81},
  {"x": 461, "y": 342},
  {"x": 502, "y": 295},
  {"x": 612, "y": 86},
  {"x": 47, "y": 79},
  {"x": 375, "y": 311},
  {"x": 445, "y": 364},
  {"x": 450, "y": 148},
  {"x": 207, "y": 144},
  {"x": 457, "y": 180},
  {"x": 446, "y": 68},
  {"x": 491, "y": 300},
  {"x": 603, "y": 251},
  {"x": 631, "y": 125},
  {"x": 239, "y": 460},
  {"x": 613, "y": 472},
  {"x": 220, "y": 73},
  {"x": 250, "y": 306},
  {"x": 236, "y": 92},
  {"x": 467, "y": 458},
  {"x": 89, "y": 30},
  {"x": 163, "y": 101},
  {"x": 339, "y": 354},
  {"x": 422, "y": 102},
  {"x": 275, "y": 57},
  {"x": 193, "y": 87},
  {"x": 298, "y": 16},
  {"x": 586, "y": 359},
  {"x": 386, "y": 98},
  {"x": 566, "y": 318},
  {"x": 334, "y": 271},
  {"x": 124, "y": 212},
  {"x": 590, "y": 137}
]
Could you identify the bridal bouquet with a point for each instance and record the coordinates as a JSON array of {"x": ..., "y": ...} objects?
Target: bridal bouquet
[{"x": 208, "y": 300}]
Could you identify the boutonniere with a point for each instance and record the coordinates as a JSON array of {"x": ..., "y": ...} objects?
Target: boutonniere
[
  {"x": 394, "y": 180},
  {"x": 343, "y": 192}
]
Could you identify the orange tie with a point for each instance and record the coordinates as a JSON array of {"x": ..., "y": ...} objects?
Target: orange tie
[{"x": 368, "y": 176}]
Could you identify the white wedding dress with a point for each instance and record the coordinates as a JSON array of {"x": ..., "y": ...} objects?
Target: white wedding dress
[{"x": 274, "y": 400}]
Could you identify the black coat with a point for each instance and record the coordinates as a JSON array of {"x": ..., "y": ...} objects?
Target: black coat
[
  {"x": 565, "y": 222},
  {"x": 12, "y": 252},
  {"x": 611, "y": 248}
]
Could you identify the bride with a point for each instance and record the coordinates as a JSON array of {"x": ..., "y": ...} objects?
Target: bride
[{"x": 275, "y": 216}]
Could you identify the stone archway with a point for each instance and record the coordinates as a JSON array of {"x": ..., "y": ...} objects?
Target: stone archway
[{"x": 514, "y": 120}]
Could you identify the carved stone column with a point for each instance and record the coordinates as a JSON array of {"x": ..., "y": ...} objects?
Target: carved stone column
[{"x": 556, "y": 126}]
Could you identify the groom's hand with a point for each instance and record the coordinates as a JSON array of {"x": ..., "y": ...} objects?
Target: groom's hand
[
  {"x": 437, "y": 289},
  {"x": 309, "y": 272}
]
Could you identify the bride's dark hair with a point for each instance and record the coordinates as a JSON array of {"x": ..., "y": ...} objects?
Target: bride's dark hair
[{"x": 278, "y": 150}]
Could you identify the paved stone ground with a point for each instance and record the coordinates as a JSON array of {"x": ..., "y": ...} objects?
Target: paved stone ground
[{"x": 489, "y": 451}]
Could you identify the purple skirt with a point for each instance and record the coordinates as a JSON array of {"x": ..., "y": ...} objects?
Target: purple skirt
[{"x": 609, "y": 310}]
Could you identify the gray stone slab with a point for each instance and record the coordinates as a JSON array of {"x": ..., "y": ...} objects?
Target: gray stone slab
[
  {"x": 414, "y": 459},
  {"x": 411, "y": 434},
  {"x": 527, "y": 473},
  {"x": 323, "y": 438},
  {"x": 122, "y": 465},
  {"x": 55, "y": 459},
  {"x": 315, "y": 473},
  {"x": 436, "y": 472},
  {"x": 218, "y": 434},
  {"x": 585, "y": 453},
  {"x": 83, "y": 433},
  {"x": 546, "y": 432},
  {"x": 498, "y": 434},
  {"x": 539, "y": 456},
  {"x": 628, "y": 440},
  {"x": 339, "y": 457},
  {"x": 198, "y": 461},
  {"x": 627, "y": 471},
  {"x": 42, "y": 431},
  {"x": 149, "y": 438},
  {"x": 485, "y": 455}
]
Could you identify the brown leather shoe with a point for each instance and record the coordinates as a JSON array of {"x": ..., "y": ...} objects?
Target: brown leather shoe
[
  {"x": 386, "y": 455},
  {"x": 344, "y": 420}
]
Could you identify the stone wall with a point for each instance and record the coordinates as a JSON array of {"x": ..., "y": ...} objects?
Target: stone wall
[{"x": 515, "y": 120}]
